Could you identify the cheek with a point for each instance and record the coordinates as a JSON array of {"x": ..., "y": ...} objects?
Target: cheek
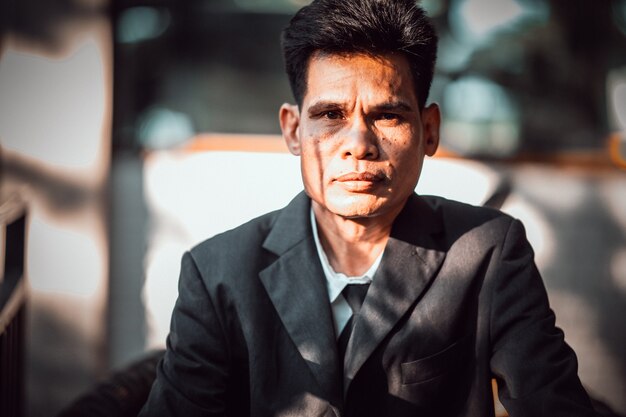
[
  {"x": 311, "y": 163},
  {"x": 400, "y": 150},
  {"x": 319, "y": 151},
  {"x": 406, "y": 163},
  {"x": 399, "y": 140}
]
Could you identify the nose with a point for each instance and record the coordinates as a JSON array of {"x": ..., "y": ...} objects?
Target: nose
[{"x": 360, "y": 142}]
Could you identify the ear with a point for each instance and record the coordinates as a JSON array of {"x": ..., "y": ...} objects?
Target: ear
[
  {"x": 289, "y": 117},
  {"x": 431, "y": 119}
]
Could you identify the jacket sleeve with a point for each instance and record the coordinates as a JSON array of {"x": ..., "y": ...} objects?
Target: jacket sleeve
[
  {"x": 192, "y": 377},
  {"x": 535, "y": 369}
]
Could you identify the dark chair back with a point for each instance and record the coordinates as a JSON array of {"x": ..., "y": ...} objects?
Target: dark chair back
[
  {"x": 12, "y": 307},
  {"x": 122, "y": 394}
]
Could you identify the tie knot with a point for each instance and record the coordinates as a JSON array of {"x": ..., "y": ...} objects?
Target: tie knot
[{"x": 354, "y": 295}]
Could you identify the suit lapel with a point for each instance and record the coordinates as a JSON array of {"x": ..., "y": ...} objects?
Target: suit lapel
[
  {"x": 411, "y": 260},
  {"x": 295, "y": 284}
]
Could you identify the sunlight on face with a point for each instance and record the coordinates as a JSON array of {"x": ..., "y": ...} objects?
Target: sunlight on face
[{"x": 361, "y": 135}]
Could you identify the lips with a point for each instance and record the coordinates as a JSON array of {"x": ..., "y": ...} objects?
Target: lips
[
  {"x": 360, "y": 182},
  {"x": 361, "y": 177}
]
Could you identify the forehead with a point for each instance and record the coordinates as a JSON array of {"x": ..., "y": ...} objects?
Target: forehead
[{"x": 330, "y": 75}]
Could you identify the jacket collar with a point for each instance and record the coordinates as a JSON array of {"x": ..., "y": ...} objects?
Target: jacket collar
[
  {"x": 291, "y": 226},
  {"x": 295, "y": 284}
]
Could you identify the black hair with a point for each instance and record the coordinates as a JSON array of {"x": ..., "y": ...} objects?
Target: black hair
[{"x": 372, "y": 27}]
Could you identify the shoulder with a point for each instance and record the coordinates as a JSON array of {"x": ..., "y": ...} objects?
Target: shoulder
[
  {"x": 236, "y": 247},
  {"x": 237, "y": 254},
  {"x": 458, "y": 212},
  {"x": 461, "y": 219},
  {"x": 452, "y": 208}
]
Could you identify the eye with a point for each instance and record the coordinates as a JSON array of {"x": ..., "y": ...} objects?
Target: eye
[
  {"x": 332, "y": 115},
  {"x": 389, "y": 116}
]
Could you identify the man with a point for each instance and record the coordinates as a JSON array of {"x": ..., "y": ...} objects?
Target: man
[{"x": 361, "y": 298}]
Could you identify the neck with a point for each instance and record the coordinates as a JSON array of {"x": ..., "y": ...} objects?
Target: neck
[{"x": 352, "y": 244}]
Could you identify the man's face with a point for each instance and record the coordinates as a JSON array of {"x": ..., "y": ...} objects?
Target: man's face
[{"x": 360, "y": 134}]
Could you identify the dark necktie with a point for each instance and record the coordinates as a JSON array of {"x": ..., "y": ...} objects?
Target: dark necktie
[{"x": 354, "y": 295}]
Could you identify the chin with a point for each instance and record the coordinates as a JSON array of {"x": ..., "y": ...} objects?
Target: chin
[{"x": 359, "y": 205}]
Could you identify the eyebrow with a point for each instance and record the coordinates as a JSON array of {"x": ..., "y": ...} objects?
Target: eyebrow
[
  {"x": 392, "y": 106},
  {"x": 320, "y": 106},
  {"x": 396, "y": 106}
]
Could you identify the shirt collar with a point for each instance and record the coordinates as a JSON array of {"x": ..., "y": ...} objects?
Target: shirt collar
[{"x": 337, "y": 281}]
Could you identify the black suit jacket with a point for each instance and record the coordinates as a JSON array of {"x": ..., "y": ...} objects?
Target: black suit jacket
[{"x": 456, "y": 301}]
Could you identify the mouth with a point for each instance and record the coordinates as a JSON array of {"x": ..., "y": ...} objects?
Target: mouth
[
  {"x": 361, "y": 176},
  {"x": 360, "y": 181}
]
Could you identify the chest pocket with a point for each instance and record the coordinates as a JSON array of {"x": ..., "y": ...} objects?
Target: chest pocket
[{"x": 449, "y": 359}]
